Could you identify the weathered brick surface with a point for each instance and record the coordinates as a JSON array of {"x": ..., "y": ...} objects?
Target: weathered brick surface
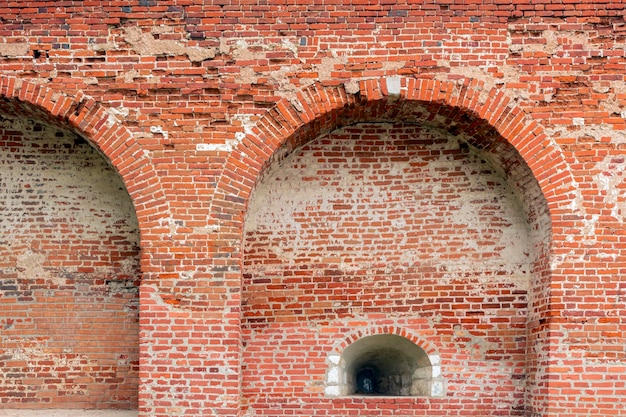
[
  {"x": 298, "y": 175},
  {"x": 373, "y": 224},
  {"x": 70, "y": 270}
]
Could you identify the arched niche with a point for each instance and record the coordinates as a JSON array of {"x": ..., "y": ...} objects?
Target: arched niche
[
  {"x": 70, "y": 262},
  {"x": 384, "y": 364},
  {"x": 300, "y": 267}
]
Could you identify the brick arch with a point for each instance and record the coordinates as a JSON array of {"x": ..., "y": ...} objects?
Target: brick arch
[
  {"x": 318, "y": 109},
  {"x": 395, "y": 329},
  {"x": 339, "y": 359},
  {"x": 91, "y": 121},
  {"x": 488, "y": 120}
]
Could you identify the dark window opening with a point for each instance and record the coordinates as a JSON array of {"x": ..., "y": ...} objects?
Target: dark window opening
[
  {"x": 385, "y": 365},
  {"x": 366, "y": 381}
]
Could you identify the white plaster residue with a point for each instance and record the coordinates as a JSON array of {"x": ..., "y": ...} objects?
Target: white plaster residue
[
  {"x": 31, "y": 264},
  {"x": 121, "y": 112},
  {"x": 289, "y": 45},
  {"x": 170, "y": 224},
  {"x": 14, "y": 49},
  {"x": 393, "y": 86},
  {"x": 145, "y": 44},
  {"x": 210, "y": 147},
  {"x": 434, "y": 360},
  {"x": 246, "y": 122},
  {"x": 331, "y": 390},
  {"x": 611, "y": 183},
  {"x": 332, "y": 377},
  {"x": 334, "y": 359},
  {"x": 159, "y": 130},
  {"x": 352, "y": 87},
  {"x": 298, "y": 197},
  {"x": 437, "y": 389},
  {"x": 229, "y": 145},
  {"x": 111, "y": 120}
]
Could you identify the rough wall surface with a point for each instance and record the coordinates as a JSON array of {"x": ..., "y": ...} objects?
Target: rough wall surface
[
  {"x": 270, "y": 151},
  {"x": 382, "y": 224},
  {"x": 70, "y": 269}
]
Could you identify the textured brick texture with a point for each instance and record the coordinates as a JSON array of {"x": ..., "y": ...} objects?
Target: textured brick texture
[
  {"x": 203, "y": 203},
  {"x": 70, "y": 269}
]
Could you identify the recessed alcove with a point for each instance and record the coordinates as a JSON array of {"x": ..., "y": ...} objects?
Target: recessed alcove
[
  {"x": 385, "y": 364},
  {"x": 70, "y": 262}
]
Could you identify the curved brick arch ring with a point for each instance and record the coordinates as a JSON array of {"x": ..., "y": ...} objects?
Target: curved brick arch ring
[
  {"x": 89, "y": 119},
  {"x": 374, "y": 330},
  {"x": 338, "y": 358},
  {"x": 318, "y": 109}
]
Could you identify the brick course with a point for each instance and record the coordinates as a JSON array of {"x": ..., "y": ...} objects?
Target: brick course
[{"x": 292, "y": 177}]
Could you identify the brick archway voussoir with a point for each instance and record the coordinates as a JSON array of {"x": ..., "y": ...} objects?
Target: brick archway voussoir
[
  {"x": 495, "y": 108},
  {"x": 320, "y": 104},
  {"x": 88, "y": 118},
  {"x": 273, "y": 130}
]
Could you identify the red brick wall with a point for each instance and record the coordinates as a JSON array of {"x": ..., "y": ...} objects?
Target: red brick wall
[
  {"x": 195, "y": 103},
  {"x": 386, "y": 224},
  {"x": 70, "y": 272}
]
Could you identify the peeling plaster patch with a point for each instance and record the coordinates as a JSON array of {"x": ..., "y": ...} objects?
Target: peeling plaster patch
[
  {"x": 290, "y": 46},
  {"x": 598, "y": 132},
  {"x": 246, "y": 122},
  {"x": 549, "y": 46},
  {"x": 130, "y": 77},
  {"x": 610, "y": 182},
  {"x": 111, "y": 121},
  {"x": 109, "y": 46},
  {"x": 393, "y": 86},
  {"x": 247, "y": 76},
  {"x": 121, "y": 111},
  {"x": 352, "y": 87},
  {"x": 613, "y": 103},
  {"x": 476, "y": 345},
  {"x": 394, "y": 65},
  {"x": 280, "y": 194},
  {"x": 171, "y": 224},
  {"x": 224, "y": 47},
  {"x": 32, "y": 264},
  {"x": 206, "y": 229},
  {"x": 14, "y": 49},
  {"x": 256, "y": 48},
  {"x": 146, "y": 44},
  {"x": 197, "y": 54},
  {"x": 228, "y": 146},
  {"x": 159, "y": 130},
  {"x": 328, "y": 64},
  {"x": 225, "y": 147},
  {"x": 251, "y": 48},
  {"x": 282, "y": 80}
]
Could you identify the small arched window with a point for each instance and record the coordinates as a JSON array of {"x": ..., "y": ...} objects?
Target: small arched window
[{"x": 384, "y": 364}]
